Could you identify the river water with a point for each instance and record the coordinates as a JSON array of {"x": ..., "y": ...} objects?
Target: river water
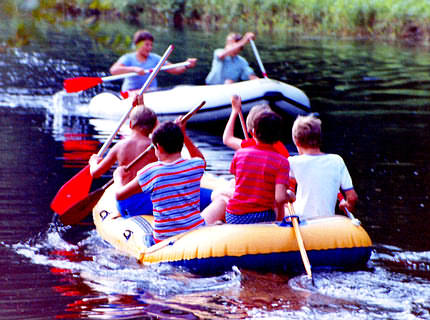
[{"x": 374, "y": 101}]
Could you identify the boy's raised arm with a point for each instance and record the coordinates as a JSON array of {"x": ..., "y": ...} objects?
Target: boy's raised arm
[
  {"x": 228, "y": 137},
  {"x": 192, "y": 149}
]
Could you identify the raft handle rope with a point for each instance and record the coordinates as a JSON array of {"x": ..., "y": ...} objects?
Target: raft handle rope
[
  {"x": 127, "y": 234},
  {"x": 104, "y": 214}
]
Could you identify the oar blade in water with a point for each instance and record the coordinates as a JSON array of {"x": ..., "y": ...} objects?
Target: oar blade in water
[{"x": 81, "y": 209}]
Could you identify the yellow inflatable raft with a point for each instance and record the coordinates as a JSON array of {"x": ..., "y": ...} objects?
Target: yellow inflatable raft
[{"x": 331, "y": 243}]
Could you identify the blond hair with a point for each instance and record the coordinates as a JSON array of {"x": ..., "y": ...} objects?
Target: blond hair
[
  {"x": 307, "y": 131},
  {"x": 143, "y": 118}
]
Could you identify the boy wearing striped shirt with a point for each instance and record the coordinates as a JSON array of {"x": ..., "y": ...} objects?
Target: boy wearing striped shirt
[{"x": 173, "y": 182}]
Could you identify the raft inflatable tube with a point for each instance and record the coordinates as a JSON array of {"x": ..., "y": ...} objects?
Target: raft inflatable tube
[
  {"x": 171, "y": 103},
  {"x": 332, "y": 243}
]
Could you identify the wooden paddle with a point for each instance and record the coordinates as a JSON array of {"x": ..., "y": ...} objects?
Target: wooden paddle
[
  {"x": 84, "y": 83},
  {"x": 82, "y": 208},
  {"x": 294, "y": 218},
  {"x": 79, "y": 186},
  {"x": 257, "y": 56},
  {"x": 305, "y": 259},
  {"x": 243, "y": 123},
  {"x": 241, "y": 118}
]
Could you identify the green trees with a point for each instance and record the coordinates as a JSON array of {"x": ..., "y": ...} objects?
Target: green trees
[{"x": 391, "y": 19}]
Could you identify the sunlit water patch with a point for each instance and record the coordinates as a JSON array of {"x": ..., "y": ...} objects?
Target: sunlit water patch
[
  {"x": 106, "y": 270},
  {"x": 377, "y": 293}
]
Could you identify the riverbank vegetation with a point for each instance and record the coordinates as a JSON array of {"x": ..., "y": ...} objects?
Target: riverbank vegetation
[{"x": 382, "y": 19}]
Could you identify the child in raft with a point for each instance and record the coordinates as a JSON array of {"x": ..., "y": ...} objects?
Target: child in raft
[
  {"x": 261, "y": 175},
  {"x": 215, "y": 211},
  {"x": 172, "y": 182},
  {"x": 318, "y": 175},
  {"x": 236, "y": 143},
  {"x": 142, "y": 122}
]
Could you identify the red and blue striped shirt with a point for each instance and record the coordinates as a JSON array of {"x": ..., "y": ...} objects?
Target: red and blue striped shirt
[{"x": 175, "y": 195}]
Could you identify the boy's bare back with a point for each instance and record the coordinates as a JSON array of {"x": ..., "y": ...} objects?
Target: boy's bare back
[
  {"x": 142, "y": 122},
  {"x": 130, "y": 148}
]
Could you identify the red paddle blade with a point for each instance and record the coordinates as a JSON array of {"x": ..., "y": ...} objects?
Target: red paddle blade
[
  {"x": 73, "y": 191},
  {"x": 80, "y": 83},
  {"x": 82, "y": 208}
]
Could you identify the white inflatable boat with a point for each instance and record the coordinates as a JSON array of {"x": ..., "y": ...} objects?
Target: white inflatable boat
[{"x": 169, "y": 104}]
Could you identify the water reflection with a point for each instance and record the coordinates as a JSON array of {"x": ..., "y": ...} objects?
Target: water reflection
[
  {"x": 104, "y": 283},
  {"x": 78, "y": 150},
  {"x": 373, "y": 99}
]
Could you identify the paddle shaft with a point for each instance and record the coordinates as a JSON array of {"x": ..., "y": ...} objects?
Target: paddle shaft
[
  {"x": 257, "y": 56},
  {"x": 349, "y": 213},
  {"x": 243, "y": 123},
  {"x": 131, "y": 74},
  {"x": 140, "y": 156},
  {"x": 345, "y": 209},
  {"x": 300, "y": 242},
  {"x": 81, "y": 208},
  {"x": 146, "y": 85},
  {"x": 294, "y": 220},
  {"x": 130, "y": 165},
  {"x": 76, "y": 189}
]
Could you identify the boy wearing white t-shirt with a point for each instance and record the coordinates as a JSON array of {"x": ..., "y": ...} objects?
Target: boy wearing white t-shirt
[{"x": 318, "y": 175}]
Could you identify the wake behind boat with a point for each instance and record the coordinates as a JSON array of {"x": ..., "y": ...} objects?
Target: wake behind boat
[{"x": 169, "y": 104}]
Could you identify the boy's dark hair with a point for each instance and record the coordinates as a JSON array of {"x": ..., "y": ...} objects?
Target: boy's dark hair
[
  {"x": 144, "y": 118},
  {"x": 142, "y": 35},
  {"x": 253, "y": 113},
  {"x": 169, "y": 135},
  {"x": 267, "y": 127}
]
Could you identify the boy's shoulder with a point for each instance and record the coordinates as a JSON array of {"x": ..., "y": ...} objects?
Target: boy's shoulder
[
  {"x": 154, "y": 57},
  {"x": 150, "y": 167},
  {"x": 134, "y": 142},
  {"x": 326, "y": 157},
  {"x": 127, "y": 57},
  {"x": 260, "y": 150},
  {"x": 194, "y": 161}
]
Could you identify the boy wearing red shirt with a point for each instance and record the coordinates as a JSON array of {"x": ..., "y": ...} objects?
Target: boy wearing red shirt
[
  {"x": 215, "y": 212},
  {"x": 261, "y": 175}
]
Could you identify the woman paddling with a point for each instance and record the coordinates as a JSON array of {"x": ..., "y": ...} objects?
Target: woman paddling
[{"x": 143, "y": 58}]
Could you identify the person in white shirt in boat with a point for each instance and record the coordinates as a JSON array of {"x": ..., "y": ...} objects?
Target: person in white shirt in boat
[
  {"x": 318, "y": 175},
  {"x": 143, "y": 58},
  {"x": 227, "y": 65}
]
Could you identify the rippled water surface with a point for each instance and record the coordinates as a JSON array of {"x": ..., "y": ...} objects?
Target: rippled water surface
[{"x": 374, "y": 101}]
